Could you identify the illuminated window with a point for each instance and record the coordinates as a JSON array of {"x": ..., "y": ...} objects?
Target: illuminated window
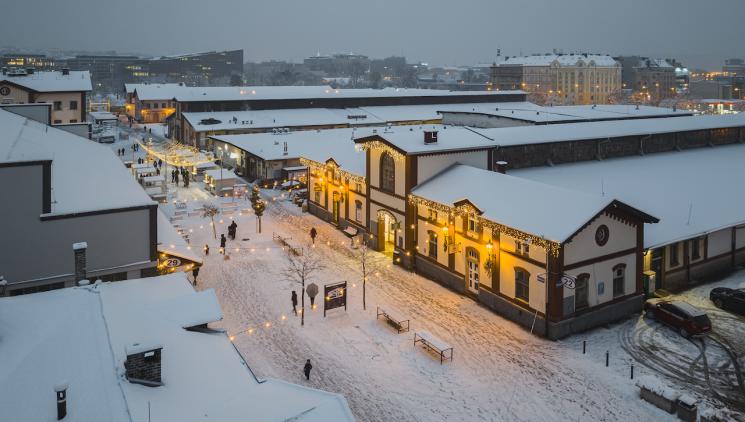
[
  {"x": 387, "y": 173},
  {"x": 432, "y": 244},
  {"x": 432, "y": 216}
]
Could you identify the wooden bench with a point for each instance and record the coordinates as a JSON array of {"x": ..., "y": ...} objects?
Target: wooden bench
[
  {"x": 394, "y": 319},
  {"x": 434, "y": 344},
  {"x": 182, "y": 213},
  {"x": 230, "y": 205}
]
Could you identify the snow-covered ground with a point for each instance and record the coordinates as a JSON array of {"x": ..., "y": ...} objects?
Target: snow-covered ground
[{"x": 499, "y": 371}]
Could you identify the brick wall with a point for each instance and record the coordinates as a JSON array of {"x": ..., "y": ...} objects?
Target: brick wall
[{"x": 144, "y": 366}]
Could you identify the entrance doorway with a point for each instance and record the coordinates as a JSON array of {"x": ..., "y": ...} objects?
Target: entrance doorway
[
  {"x": 473, "y": 274},
  {"x": 335, "y": 207},
  {"x": 387, "y": 227}
]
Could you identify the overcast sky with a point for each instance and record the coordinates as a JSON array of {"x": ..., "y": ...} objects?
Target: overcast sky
[{"x": 701, "y": 33}]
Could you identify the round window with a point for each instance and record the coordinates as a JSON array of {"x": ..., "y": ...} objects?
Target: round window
[
  {"x": 4, "y": 91},
  {"x": 601, "y": 235}
]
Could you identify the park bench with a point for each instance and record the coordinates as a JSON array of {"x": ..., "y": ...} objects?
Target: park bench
[
  {"x": 350, "y": 231},
  {"x": 434, "y": 344},
  {"x": 394, "y": 319},
  {"x": 230, "y": 205},
  {"x": 181, "y": 213}
]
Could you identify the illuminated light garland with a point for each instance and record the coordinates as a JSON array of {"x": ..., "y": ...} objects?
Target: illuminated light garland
[
  {"x": 378, "y": 145},
  {"x": 315, "y": 166},
  {"x": 552, "y": 247}
]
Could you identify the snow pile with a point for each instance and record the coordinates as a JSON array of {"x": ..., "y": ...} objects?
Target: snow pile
[{"x": 656, "y": 386}]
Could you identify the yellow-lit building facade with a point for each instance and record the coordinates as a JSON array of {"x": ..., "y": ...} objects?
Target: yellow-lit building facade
[{"x": 336, "y": 195}]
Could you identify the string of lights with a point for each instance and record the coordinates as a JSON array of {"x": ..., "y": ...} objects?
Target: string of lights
[{"x": 378, "y": 145}]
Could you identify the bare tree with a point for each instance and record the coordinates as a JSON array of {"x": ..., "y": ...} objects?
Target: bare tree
[
  {"x": 210, "y": 211},
  {"x": 300, "y": 268},
  {"x": 365, "y": 258}
]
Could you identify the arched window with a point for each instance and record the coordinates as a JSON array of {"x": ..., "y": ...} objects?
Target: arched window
[
  {"x": 581, "y": 291},
  {"x": 522, "y": 284},
  {"x": 387, "y": 173},
  {"x": 619, "y": 280}
]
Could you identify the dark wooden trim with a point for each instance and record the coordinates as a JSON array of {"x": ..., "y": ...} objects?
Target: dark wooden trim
[
  {"x": 99, "y": 212},
  {"x": 368, "y": 187},
  {"x": 554, "y": 291},
  {"x": 687, "y": 259},
  {"x": 377, "y": 137},
  {"x": 403, "y": 198},
  {"x": 618, "y": 209},
  {"x": 639, "y": 273},
  {"x": 605, "y": 257},
  {"x": 451, "y": 151},
  {"x": 524, "y": 258},
  {"x": 386, "y": 207}
]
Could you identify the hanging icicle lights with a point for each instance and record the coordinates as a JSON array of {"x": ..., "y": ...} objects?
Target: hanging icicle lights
[
  {"x": 317, "y": 168},
  {"x": 379, "y": 145},
  {"x": 551, "y": 246}
]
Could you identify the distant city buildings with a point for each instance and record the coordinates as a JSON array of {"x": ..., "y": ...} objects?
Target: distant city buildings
[
  {"x": 560, "y": 78},
  {"x": 648, "y": 80}
]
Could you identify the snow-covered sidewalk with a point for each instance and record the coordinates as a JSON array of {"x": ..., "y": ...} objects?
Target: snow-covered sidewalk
[{"x": 499, "y": 371}]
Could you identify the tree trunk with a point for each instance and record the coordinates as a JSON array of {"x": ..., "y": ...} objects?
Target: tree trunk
[
  {"x": 214, "y": 231},
  {"x": 302, "y": 305},
  {"x": 364, "y": 285},
  {"x": 259, "y": 224}
]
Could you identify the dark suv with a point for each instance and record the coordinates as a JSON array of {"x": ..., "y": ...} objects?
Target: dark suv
[
  {"x": 732, "y": 300},
  {"x": 684, "y": 317}
]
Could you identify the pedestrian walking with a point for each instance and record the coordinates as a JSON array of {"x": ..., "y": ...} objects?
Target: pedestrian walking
[
  {"x": 294, "y": 302},
  {"x": 233, "y": 229},
  {"x": 313, "y": 234},
  {"x": 157, "y": 171},
  {"x": 223, "y": 240},
  {"x": 195, "y": 273},
  {"x": 160, "y": 162},
  {"x": 176, "y": 175},
  {"x": 186, "y": 179},
  {"x": 206, "y": 249},
  {"x": 173, "y": 176},
  {"x": 307, "y": 368}
]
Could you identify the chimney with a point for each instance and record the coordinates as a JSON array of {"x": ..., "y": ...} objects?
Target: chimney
[
  {"x": 430, "y": 136},
  {"x": 502, "y": 167},
  {"x": 65, "y": 71},
  {"x": 61, "y": 391},
  {"x": 81, "y": 266},
  {"x": 143, "y": 364}
]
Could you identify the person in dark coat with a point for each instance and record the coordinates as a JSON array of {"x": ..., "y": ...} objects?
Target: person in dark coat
[
  {"x": 294, "y": 302},
  {"x": 155, "y": 164},
  {"x": 173, "y": 176},
  {"x": 223, "y": 240},
  {"x": 157, "y": 171},
  {"x": 195, "y": 273},
  {"x": 186, "y": 179},
  {"x": 206, "y": 249},
  {"x": 233, "y": 228},
  {"x": 160, "y": 162},
  {"x": 176, "y": 175},
  {"x": 307, "y": 368},
  {"x": 313, "y": 234}
]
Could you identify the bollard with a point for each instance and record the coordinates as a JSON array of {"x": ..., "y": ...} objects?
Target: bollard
[
  {"x": 607, "y": 355},
  {"x": 632, "y": 371},
  {"x": 584, "y": 346}
]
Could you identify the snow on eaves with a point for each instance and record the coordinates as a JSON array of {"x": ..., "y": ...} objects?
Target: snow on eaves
[
  {"x": 52, "y": 81},
  {"x": 540, "y": 209},
  {"x": 693, "y": 192}
]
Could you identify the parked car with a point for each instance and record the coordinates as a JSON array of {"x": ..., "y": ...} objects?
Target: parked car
[
  {"x": 684, "y": 317},
  {"x": 732, "y": 300}
]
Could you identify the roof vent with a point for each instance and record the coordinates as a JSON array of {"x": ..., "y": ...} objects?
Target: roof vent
[
  {"x": 430, "y": 136},
  {"x": 143, "y": 364}
]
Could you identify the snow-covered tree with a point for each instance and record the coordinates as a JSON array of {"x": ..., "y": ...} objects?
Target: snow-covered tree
[
  {"x": 300, "y": 269},
  {"x": 210, "y": 210}
]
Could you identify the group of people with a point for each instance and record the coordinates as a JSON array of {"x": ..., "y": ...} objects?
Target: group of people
[
  {"x": 180, "y": 173},
  {"x": 232, "y": 230}
]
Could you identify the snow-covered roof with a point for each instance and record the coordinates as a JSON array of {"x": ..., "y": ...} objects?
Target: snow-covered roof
[
  {"x": 602, "y": 60},
  {"x": 523, "y": 135},
  {"x": 263, "y": 119},
  {"x": 410, "y": 139},
  {"x": 86, "y": 176},
  {"x": 702, "y": 182},
  {"x": 80, "y": 336},
  {"x": 219, "y": 174},
  {"x": 534, "y": 113},
  {"x": 52, "y": 81},
  {"x": 171, "y": 243},
  {"x": 515, "y": 202},
  {"x": 316, "y": 145},
  {"x": 247, "y": 93},
  {"x": 150, "y": 92}
]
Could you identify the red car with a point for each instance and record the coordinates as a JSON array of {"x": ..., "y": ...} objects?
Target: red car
[{"x": 684, "y": 317}]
